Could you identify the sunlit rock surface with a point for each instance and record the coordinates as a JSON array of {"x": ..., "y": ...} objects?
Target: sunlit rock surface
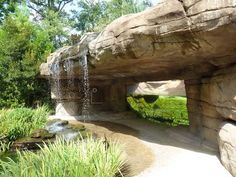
[
  {"x": 190, "y": 40},
  {"x": 173, "y": 40}
]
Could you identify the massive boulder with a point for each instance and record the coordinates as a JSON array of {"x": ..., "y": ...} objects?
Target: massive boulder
[
  {"x": 162, "y": 88},
  {"x": 173, "y": 40},
  {"x": 191, "y": 40},
  {"x": 227, "y": 145}
]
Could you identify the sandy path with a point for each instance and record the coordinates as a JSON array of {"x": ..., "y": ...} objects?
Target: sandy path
[
  {"x": 160, "y": 151},
  {"x": 176, "y": 153}
]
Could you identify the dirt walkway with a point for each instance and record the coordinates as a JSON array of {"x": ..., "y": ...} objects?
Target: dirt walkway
[{"x": 160, "y": 151}]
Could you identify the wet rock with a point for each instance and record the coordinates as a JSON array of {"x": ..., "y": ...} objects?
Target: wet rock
[
  {"x": 54, "y": 129},
  {"x": 79, "y": 127},
  {"x": 58, "y": 122},
  {"x": 67, "y": 131},
  {"x": 57, "y": 125},
  {"x": 29, "y": 143},
  {"x": 42, "y": 133}
]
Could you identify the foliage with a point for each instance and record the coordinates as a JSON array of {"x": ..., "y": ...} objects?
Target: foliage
[
  {"x": 7, "y": 7},
  {"x": 122, "y": 7},
  {"x": 42, "y": 7},
  {"x": 170, "y": 110},
  {"x": 95, "y": 15},
  {"x": 90, "y": 13},
  {"x": 57, "y": 27},
  {"x": 23, "y": 47},
  {"x": 86, "y": 158},
  {"x": 20, "y": 122},
  {"x": 53, "y": 17},
  {"x": 26, "y": 42}
]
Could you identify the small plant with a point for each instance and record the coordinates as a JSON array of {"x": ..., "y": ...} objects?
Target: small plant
[
  {"x": 20, "y": 122},
  {"x": 86, "y": 158},
  {"x": 4, "y": 147}
]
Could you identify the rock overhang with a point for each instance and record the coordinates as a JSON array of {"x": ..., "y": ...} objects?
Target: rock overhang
[{"x": 185, "y": 39}]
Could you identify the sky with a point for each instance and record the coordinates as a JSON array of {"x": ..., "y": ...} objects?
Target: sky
[
  {"x": 68, "y": 7},
  {"x": 155, "y": 1}
]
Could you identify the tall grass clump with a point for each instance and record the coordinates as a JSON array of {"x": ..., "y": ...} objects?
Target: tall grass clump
[
  {"x": 20, "y": 122},
  {"x": 171, "y": 110},
  {"x": 86, "y": 158}
]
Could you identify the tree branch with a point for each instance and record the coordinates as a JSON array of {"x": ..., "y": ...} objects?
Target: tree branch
[
  {"x": 36, "y": 10},
  {"x": 64, "y": 4}
]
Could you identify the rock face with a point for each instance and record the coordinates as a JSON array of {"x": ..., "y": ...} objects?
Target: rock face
[
  {"x": 227, "y": 144},
  {"x": 173, "y": 40},
  {"x": 211, "y": 100},
  {"x": 190, "y": 40},
  {"x": 163, "y": 88},
  {"x": 223, "y": 91}
]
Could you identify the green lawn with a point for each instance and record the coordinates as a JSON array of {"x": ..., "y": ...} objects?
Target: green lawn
[{"x": 163, "y": 109}]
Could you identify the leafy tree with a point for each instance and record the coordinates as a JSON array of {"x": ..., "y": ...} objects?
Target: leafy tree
[
  {"x": 7, "y": 7},
  {"x": 41, "y": 7},
  {"x": 95, "y": 15},
  {"x": 57, "y": 27},
  {"x": 118, "y": 8},
  {"x": 23, "y": 46},
  {"x": 86, "y": 19},
  {"x": 51, "y": 14}
]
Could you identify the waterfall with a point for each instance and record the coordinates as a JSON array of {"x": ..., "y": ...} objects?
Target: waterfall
[
  {"x": 86, "y": 92},
  {"x": 63, "y": 65},
  {"x": 69, "y": 68},
  {"x": 55, "y": 76}
]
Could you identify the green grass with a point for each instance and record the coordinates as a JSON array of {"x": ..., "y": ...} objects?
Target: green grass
[
  {"x": 164, "y": 109},
  {"x": 86, "y": 158},
  {"x": 20, "y": 122}
]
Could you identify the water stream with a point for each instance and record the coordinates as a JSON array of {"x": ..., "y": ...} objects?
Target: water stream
[
  {"x": 55, "y": 80},
  {"x": 86, "y": 92},
  {"x": 69, "y": 68},
  {"x": 65, "y": 62}
]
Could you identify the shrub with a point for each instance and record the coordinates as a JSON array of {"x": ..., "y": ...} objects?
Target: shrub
[
  {"x": 87, "y": 158},
  {"x": 20, "y": 122},
  {"x": 24, "y": 45},
  {"x": 167, "y": 109}
]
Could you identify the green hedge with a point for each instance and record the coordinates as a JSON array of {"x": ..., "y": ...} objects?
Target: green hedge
[{"x": 166, "y": 109}]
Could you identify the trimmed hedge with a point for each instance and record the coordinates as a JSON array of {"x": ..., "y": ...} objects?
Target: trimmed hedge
[{"x": 162, "y": 109}]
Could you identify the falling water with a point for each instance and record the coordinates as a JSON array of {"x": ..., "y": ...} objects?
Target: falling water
[
  {"x": 66, "y": 59},
  {"x": 55, "y": 72},
  {"x": 69, "y": 68},
  {"x": 85, "y": 81}
]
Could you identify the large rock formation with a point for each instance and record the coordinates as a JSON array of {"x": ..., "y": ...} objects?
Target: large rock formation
[
  {"x": 174, "y": 40},
  {"x": 227, "y": 144},
  {"x": 163, "y": 88},
  {"x": 191, "y": 40}
]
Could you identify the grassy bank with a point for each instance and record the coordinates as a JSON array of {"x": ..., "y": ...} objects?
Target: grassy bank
[
  {"x": 20, "y": 122},
  {"x": 87, "y": 158},
  {"x": 164, "y": 109}
]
